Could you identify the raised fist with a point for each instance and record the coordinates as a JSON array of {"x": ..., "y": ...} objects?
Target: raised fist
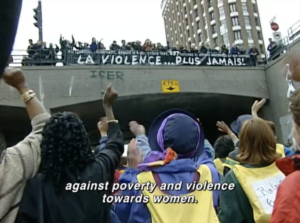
[
  {"x": 110, "y": 96},
  {"x": 14, "y": 78},
  {"x": 136, "y": 128}
]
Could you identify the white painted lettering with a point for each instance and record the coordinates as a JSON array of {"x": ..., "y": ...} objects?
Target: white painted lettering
[
  {"x": 89, "y": 60},
  {"x": 158, "y": 60},
  {"x": 134, "y": 60}
]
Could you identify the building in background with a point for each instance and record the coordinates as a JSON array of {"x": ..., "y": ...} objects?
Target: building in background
[{"x": 216, "y": 22}]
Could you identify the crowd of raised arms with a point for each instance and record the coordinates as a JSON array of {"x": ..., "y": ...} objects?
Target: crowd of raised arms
[
  {"x": 40, "y": 50},
  {"x": 171, "y": 175}
]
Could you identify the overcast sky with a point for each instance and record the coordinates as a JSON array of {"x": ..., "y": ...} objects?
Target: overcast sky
[{"x": 124, "y": 19}]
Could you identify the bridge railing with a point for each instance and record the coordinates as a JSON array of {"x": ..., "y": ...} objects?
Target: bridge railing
[
  {"x": 294, "y": 32},
  {"x": 121, "y": 57}
]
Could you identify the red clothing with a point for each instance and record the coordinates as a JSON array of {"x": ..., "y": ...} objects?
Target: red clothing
[{"x": 287, "y": 203}]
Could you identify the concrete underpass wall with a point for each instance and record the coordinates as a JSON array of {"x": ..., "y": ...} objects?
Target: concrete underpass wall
[
  {"x": 277, "y": 110},
  {"x": 61, "y": 86}
]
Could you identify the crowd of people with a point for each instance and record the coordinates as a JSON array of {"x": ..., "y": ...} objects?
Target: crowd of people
[
  {"x": 47, "y": 176},
  {"x": 40, "y": 54}
]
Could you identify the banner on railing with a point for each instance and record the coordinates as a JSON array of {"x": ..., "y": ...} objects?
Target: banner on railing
[{"x": 155, "y": 58}]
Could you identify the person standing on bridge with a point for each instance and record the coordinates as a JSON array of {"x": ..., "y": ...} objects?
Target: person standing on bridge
[
  {"x": 178, "y": 155},
  {"x": 19, "y": 163},
  {"x": 68, "y": 166}
]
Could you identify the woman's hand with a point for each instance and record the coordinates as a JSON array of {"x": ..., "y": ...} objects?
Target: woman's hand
[
  {"x": 223, "y": 127},
  {"x": 257, "y": 105},
  {"x": 136, "y": 128},
  {"x": 110, "y": 96},
  {"x": 14, "y": 78},
  {"x": 134, "y": 156}
]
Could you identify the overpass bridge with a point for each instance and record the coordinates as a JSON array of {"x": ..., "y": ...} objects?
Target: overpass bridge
[{"x": 211, "y": 93}]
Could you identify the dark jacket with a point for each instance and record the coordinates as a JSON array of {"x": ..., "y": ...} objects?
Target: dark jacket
[
  {"x": 203, "y": 49},
  {"x": 251, "y": 50},
  {"x": 234, "y": 204},
  {"x": 83, "y": 206},
  {"x": 93, "y": 47},
  {"x": 234, "y": 51}
]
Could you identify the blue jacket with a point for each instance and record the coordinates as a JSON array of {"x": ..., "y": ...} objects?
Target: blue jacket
[
  {"x": 251, "y": 51},
  {"x": 288, "y": 152},
  {"x": 93, "y": 47},
  {"x": 176, "y": 171},
  {"x": 234, "y": 51},
  {"x": 142, "y": 140}
]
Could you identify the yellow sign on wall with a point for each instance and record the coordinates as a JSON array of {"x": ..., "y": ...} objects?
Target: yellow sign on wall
[{"x": 170, "y": 86}]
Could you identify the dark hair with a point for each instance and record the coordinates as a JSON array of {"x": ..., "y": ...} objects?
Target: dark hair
[
  {"x": 65, "y": 145},
  {"x": 223, "y": 146}
]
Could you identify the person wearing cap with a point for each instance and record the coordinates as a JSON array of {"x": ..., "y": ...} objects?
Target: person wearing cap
[
  {"x": 177, "y": 155},
  {"x": 256, "y": 178}
]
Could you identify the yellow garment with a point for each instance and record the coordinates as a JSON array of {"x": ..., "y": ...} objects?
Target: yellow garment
[
  {"x": 121, "y": 171},
  {"x": 260, "y": 185},
  {"x": 219, "y": 164},
  {"x": 280, "y": 149},
  {"x": 230, "y": 162},
  {"x": 201, "y": 212}
]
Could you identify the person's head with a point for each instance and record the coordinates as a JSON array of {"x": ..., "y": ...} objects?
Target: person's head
[
  {"x": 193, "y": 46},
  {"x": 207, "y": 44},
  {"x": 234, "y": 45},
  {"x": 30, "y": 41},
  {"x": 65, "y": 145},
  {"x": 39, "y": 43},
  {"x": 253, "y": 46},
  {"x": 257, "y": 143},
  {"x": 114, "y": 42},
  {"x": 138, "y": 42},
  {"x": 93, "y": 40},
  {"x": 236, "y": 125},
  {"x": 123, "y": 42},
  {"x": 51, "y": 45},
  {"x": 166, "y": 132},
  {"x": 147, "y": 41},
  {"x": 86, "y": 44},
  {"x": 223, "y": 146},
  {"x": 159, "y": 45},
  {"x": 270, "y": 40}
]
